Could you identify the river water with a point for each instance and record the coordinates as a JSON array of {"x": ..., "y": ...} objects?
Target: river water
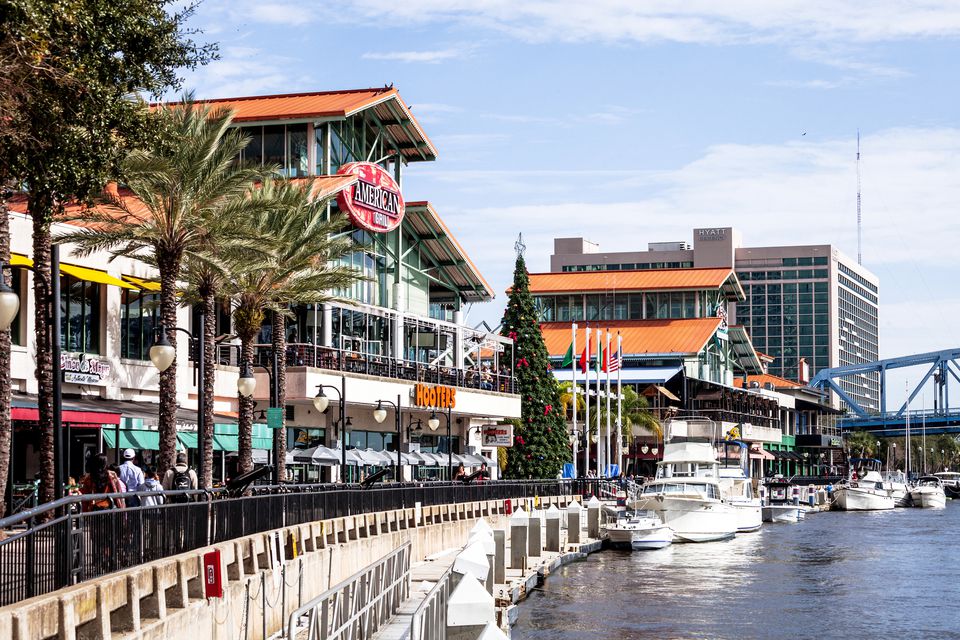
[{"x": 881, "y": 574}]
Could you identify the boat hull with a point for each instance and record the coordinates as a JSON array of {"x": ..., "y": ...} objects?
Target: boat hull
[
  {"x": 858, "y": 499},
  {"x": 649, "y": 535},
  {"x": 694, "y": 520},
  {"x": 782, "y": 513},
  {"x": 749, "y": 515},
  {"x": 928, "y": 499}
]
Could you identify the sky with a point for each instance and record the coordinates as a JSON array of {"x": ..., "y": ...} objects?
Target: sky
[{"x": 632, "y": 121}]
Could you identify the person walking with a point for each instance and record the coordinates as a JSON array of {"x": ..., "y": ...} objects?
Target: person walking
[
  {"x": 101, "y": 480},
  {"x": 180, "y": 478},
  {"x": 131, "y": 475},
  {"x": 151, "y": 483}
]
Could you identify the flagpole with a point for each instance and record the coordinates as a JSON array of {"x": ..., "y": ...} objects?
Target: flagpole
[
  {"x": 619, "y": 402},
  {"x": 586, "y": 393},
  {"x": 599, "y": 387},
  {"x": 573, "y": 366},
  {"x": 607, "y": 458}
]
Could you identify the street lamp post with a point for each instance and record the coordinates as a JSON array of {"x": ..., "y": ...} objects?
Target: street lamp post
[
  {"x": 380, "y": 414},
  {"x": 9, "y": 306},
  {"x": 320, "y": 403},
  {"x": 246, "y": 384},
  {"x": 162, "y": 355},
  {"x": 434, "y": 423}
]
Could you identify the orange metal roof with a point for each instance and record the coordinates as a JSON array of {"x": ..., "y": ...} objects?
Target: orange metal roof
[
  {"x": 320, "y": 187},
  {"x": 638, "y": 280},
  {"x": 386, "y": 102},
  {"x": 425, "y": 220},
  {"x": 639, "y": 336},
  {"x": 765, "y": 378}
]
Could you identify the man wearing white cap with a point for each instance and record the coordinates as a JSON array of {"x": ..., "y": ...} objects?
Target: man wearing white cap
[{"x": 131, "y": 475}]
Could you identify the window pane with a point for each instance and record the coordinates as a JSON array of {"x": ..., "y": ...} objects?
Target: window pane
[
  {"x": 253, "y": 154},
  {"x": 273, "y": 146},
  {"x": 297, "y": 151}
]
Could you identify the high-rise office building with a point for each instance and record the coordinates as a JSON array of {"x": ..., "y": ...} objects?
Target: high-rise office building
[{"x": 809, "y": 306}]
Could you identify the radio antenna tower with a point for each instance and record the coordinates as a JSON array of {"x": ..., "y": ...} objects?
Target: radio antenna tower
[{"x": 859, "y": 216}]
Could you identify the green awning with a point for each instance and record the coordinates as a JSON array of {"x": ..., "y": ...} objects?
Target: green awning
[
  {"x": 188, "y": 439},
  {"x": 141, "y": 439}
]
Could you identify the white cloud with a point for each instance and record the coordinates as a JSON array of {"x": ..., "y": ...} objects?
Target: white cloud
[
  {"x": 793, "y": 193},
  {"x": 428, "y": 57},
  {"x": 242, "y": 71},
  {"x": 691, "y": 21},
  {"x": 293, "y": 15}
]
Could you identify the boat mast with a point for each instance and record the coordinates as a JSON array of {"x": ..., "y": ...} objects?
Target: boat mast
[{"x": 907, "y": 458}]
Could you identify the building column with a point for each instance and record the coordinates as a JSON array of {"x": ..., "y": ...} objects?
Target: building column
[
  {"x": 326, "y": 333},
  {"x": 458, "y": 339}
]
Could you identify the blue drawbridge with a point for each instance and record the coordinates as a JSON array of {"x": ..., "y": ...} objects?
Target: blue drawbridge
[{"x": 941, "y": 366}]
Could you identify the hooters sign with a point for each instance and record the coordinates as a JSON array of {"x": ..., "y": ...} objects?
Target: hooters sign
[{"x": 374, "y": 201}]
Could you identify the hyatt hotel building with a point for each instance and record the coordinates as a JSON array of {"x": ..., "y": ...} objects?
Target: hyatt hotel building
[{"x": 805, "y": 304}]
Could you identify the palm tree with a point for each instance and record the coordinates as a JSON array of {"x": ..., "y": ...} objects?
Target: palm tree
[
  {"x": 862, "y": 442},
  {"x": 566, "y": 398},
  {"x": 179, "y": 192},
  {"x": 296, "y": 264}
]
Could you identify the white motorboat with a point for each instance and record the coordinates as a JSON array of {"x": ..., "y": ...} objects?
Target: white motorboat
[
  {"x": 928, "y": 493},
  {"x": 640, "y": 530},
  {"x": 780, "y": 506},
  {"x": 895, "y": 482},
  {"x": 951, "y": 483},
  {"x": 781, "y": 513},
  {"x": 737, "y": 488},
  {"x": 686, "y": 492},
  {"x": 864, "y": 490}
]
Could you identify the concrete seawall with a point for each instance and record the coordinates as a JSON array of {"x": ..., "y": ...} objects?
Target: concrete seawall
[{"x": 266, "y": 577}]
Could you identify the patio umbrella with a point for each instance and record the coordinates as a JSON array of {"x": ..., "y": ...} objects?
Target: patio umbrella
[{"x": 319, "y": 455}]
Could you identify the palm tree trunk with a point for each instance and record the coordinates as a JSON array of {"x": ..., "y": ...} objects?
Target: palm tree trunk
[
  {"x": 280, "y": 348},
  {"x": 40, "y": 207},
  {"x": 210, "y": 370},
  {"x": 5, "y": 423},
  {"x": 245, "y": 417},
  {"x": 169, "y": 270}
]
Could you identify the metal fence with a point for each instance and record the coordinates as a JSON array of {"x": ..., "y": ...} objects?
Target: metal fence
[
  {"x": 359, "y": 606},
  {"x": 65, "y": 542}
]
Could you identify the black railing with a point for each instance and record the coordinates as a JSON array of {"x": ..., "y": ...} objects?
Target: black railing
[
  {"x": 309, "y": 355},
  {"x": 64, "y": 542}
]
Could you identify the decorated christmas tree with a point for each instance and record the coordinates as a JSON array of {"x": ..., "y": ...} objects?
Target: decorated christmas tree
[{"x": 540, "y": 445}]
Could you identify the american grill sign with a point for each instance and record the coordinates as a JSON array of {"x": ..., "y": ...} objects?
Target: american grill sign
[{"x": 374, "y": 201}]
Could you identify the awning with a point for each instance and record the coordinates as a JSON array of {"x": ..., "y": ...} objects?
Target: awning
[
  {"x": 17, "y": 260},
  {"x": 138, "y": 439},
  {"x": 645, "y": 375},
  {"x": 94, "y": 275},
  {"x": 140, "y": 283},
  {"x": 761, "y": 454},
  {"x": 655, "y": 389},
  {"x": 75, "y": 412}
]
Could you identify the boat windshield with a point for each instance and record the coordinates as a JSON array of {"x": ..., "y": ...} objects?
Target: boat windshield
[{"x": 682, "y": 489}]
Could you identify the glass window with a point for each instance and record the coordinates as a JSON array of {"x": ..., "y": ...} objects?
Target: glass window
[
  {"x": 689, "y": 305},
  {"x": 676, "y": 305},
  {"x": 593, "y": 307},
  {"x": 139, "y": 315},
  {"x": 820, "y": 287},
  {"x": 253, "y": 154},
  {"x": 789, "y": 262},
  {"x": 636, "y": 306},
  {"x": 297, "y": 161},
  {"x": 16, "y": 283},
  {"x": 620, "y": 308},
  {"x": 273, "y": 146},
  {"x": 789, "y": 275},
  {"x": 80, "y": 315},
  {"x": 821, "y": 260}
]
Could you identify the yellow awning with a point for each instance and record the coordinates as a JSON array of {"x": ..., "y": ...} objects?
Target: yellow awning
[
  {"x": 94, "y": 275},
  {"x": 145, "y": 285},
  {"x": 17, "y": 260}
]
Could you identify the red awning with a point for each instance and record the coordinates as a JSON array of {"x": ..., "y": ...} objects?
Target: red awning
[{"x": 76, "y": 418}]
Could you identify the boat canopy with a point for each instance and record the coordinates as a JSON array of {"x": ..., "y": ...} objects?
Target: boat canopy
[{"x": 681, "y": 452}]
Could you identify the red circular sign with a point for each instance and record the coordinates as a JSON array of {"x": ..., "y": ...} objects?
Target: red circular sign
[{"x": 374, "y": 201}]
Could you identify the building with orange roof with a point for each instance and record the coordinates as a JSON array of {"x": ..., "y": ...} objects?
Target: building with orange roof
[
  {"x": 803, "y": 303},
  {"x": 398, "y": 329}
]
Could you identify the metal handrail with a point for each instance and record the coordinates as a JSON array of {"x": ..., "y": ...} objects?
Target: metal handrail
[
  {"x": 429, "y": 621},
  {"x": 360, "y": 605}
]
